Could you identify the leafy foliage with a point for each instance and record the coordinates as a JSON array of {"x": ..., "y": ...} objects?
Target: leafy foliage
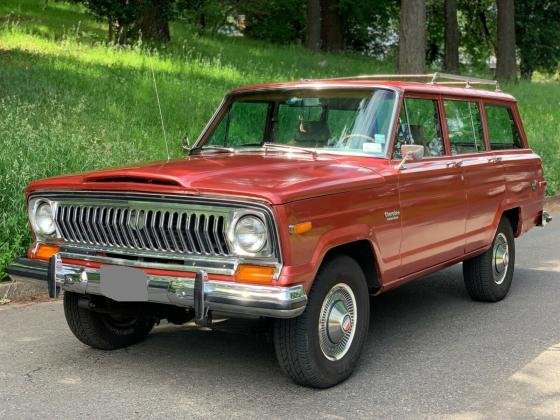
[
  {"x": 279, "y": 21},
  {"x": 537, "y": 35}
]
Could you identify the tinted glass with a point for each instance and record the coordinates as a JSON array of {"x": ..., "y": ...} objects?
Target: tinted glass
[
  {"x": 464, "y": 127},
  {"x": 356, "y": 121},
  {"x": 419, "y": 124},
  {"x": 244, "y": 124},
  {"x": 502, "y": 129}
]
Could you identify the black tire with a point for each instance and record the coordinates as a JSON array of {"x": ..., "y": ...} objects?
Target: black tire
[
  {"x": 483, "y": 280},
  {"x": 297, "y": 340},
  {"x": 104, "y": 331}
]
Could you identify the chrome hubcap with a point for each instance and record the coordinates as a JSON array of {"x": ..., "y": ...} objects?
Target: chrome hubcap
[
  {"x": 337, "y": 322},
  {"x": 500, "y": 258}
]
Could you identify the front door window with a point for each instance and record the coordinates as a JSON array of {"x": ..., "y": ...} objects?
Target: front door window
[{"x": 419, "y": 124}]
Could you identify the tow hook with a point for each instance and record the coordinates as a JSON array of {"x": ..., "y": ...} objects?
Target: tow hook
[{"x": 202, "y": 316}]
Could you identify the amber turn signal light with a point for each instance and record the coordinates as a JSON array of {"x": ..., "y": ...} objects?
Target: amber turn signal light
[
  {"x": 46, "y": 251},
  {"x": 300, "y": 228},
  {"x": 254, "y": 274}
]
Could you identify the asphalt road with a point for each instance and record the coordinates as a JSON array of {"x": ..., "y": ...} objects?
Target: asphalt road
[{"x": 431, "y": 353}]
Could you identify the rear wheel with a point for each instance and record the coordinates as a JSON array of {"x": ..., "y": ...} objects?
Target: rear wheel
[
  {"x": 321, "y": 347},
  {"x": 105, "y": 331},
  {"x": 488, "y": 276}
]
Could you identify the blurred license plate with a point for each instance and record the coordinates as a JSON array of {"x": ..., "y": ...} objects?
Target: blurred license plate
[{"x": 123, "y": 284}]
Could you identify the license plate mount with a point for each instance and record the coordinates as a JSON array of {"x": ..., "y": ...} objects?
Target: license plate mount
[{"x": 123, "y": 284}]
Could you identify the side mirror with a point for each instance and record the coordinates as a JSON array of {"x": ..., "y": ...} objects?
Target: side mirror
[{"x": 410, "y": 152}]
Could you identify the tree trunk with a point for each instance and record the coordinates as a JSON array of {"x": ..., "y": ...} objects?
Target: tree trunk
[
  {"x": 412, "y": 37},
  {"x": 505, "y": 60},
  {"x": 451, "y": 58},
  {"x": 313, "y": 25},
  {"x": 331, "y": 26},
  {"x": 153, "y": 22}
]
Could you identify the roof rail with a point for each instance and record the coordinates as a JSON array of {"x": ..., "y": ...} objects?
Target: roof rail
[{"x": 433, "y": 78}]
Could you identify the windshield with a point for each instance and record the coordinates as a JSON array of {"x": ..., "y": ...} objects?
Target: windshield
[{"x": 346, "y": 121}]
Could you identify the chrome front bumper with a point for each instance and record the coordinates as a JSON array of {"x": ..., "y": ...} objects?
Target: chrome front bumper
[{"x": 220, "y": 296}]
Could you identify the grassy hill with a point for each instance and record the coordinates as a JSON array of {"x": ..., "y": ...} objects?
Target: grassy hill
[{"x": 69, "y": 102}]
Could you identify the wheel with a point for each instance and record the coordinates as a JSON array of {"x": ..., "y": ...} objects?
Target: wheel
[
  {"x": 321, "y": 347},
  {"x": 104, "y": 331},
  {"x": 488, "y": 277}
]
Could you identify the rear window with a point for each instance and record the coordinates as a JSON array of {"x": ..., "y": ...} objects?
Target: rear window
[
  {"x": 502, "y": 129},
  {"x": 464, "y": 127}
]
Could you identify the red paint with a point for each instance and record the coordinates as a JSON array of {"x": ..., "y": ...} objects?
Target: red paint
[{"x": 449, "y": 206}]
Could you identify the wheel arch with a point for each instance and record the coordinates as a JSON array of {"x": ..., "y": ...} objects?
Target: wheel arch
[
  {"x": 362, "y": 251},
  {"x": 514, "y": 217}
]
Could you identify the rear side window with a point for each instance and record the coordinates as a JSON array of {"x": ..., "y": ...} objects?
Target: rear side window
[
  {"x": 464, "y": 127},
  {"x": 502, "y": 130}
]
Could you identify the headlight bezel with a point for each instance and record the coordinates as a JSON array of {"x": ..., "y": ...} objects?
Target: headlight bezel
[
  {"x": 34, "y": 205},
  {"x": 265, "y": 250}
]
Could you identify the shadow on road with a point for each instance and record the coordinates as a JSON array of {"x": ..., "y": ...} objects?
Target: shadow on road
[{"x": 430, "y": 350}]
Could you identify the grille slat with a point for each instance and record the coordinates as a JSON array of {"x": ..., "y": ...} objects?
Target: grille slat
[{"x": 174, "y": 231}]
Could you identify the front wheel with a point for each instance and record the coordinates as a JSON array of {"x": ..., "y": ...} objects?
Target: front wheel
[
  {"x": 321, "y": 347},
  {"x": 105, "y": 331},
  {"x": 488, "y": 276}
]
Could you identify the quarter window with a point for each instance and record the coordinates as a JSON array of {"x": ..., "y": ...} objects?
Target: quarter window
[
  {"x": 419, "y": 124},
  {"x": 502, "y": 129},
  {"x": 464, "y": 127}
]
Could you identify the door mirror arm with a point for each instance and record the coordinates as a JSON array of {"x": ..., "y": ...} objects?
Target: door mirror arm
[{"x": 410, "y": 152}]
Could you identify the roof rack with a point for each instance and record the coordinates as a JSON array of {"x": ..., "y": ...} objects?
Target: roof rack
[{"x": 433, "y": 78}]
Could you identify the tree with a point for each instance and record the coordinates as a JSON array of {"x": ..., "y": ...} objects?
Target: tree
[
  {"x": 412, "y": 36},
  {"x": 152, "y": 20},
  {"x": 331, "y": 26},
  {"x": 132, "y": 19},
  {"x": 451, "y": 55},
  {"x": 505, "y": 60},
  {"x": 537, "y": 36},
  {"x": 280, "y": 21},
  {"x": 313, "y": 25}
]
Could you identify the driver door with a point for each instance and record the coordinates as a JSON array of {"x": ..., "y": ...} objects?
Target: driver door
[{"x": 431, "y": 191}]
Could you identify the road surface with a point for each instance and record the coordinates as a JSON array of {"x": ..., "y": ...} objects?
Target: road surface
[{"x": 431, "y": 352}]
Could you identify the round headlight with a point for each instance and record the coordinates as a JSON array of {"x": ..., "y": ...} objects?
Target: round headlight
[
  {"x": 44, "y": 219},
  {"x": 250, "y": 234}
]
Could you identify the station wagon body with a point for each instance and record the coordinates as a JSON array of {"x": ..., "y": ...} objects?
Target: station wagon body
[{"x": 297, "y": 202}]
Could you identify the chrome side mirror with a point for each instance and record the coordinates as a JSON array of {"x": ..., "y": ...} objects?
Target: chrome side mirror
[{"x": 410, "y": 152}]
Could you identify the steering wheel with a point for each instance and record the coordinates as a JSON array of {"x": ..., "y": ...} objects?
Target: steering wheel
[{"x": 344, "y": 140}]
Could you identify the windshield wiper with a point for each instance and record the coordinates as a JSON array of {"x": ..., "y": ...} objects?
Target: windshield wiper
[
  {"x": 288, "y": 147},
  {"x": 213, "y": 148}
]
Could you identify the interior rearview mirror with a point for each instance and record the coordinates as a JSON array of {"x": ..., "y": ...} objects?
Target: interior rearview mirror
[{"x": 410, "y": 152}]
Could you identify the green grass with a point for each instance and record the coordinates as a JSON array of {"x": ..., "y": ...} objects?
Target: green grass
[{"x": 69, "y": 102}]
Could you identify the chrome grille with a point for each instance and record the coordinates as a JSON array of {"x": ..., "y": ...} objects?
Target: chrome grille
[{"x": 181, "y": 231}]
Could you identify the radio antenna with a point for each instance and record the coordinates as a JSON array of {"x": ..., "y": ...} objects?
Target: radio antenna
[{"x": 160, "y": 113}]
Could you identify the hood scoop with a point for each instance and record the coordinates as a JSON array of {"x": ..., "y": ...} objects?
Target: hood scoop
[{"x": 132, "y": 179}]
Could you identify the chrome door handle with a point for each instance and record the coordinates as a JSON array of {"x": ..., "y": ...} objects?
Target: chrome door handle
[
  {"x": 455, "y": 164},
  {"x": 494, "y": 159}
]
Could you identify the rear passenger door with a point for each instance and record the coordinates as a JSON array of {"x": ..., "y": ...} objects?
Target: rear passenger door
[
  {"x": 431, "y": 194},
  {"x": 482, "y": 171}
]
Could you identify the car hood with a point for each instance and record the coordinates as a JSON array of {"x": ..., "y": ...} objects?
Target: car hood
[{"x": 274, "y": 177}]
